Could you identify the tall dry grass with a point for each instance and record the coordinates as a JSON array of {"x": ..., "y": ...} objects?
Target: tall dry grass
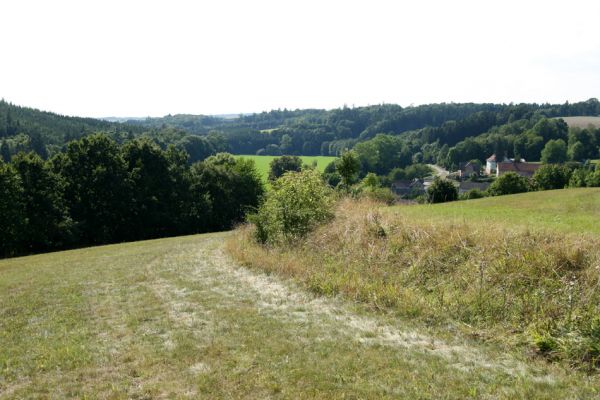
[{"x": 537, "y": 289}]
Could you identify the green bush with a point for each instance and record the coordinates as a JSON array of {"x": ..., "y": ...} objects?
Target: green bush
[
  {"x": 552, "y": 176},
  {"x": 472, "y": 194},
  {"x": 442, "y": 190},
  {"x": 297, "y": 203},
  {"x": 509, "y": 183}
]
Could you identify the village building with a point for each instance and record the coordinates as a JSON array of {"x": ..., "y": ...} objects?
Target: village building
[
  {"x": 468, "y": 169},
  {"x": 491, "y": 164},
  {"x": 524, "y": 169}
]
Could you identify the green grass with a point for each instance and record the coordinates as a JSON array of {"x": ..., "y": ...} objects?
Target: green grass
[
  {"x": 262, "y": 162},
  {"x": 175, "y": 318},
  {"x": 569, "y": 211},
  {"x": 520, "y": 270}
]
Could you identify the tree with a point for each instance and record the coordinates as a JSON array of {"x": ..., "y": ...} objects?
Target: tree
[
  {"x": 97, "y": 189},
  {"x": 509, "y": 183},
  {"x": 4, "y": 152},
  {"x": 48, "y": 224},
  {"x": 12, "y": 211},
  {"x": 272, "y": 150},
  {"x": 36, "y": 143},
  {"x": 155, "y": 206},
  {"x": 348, "y": 166},
  {"x": 555, "y": 151},
  {"x": 441, "y": 191},
  {"x": 285, "y": 144},
  {"x": 198, "y": 147},
  {"x": 283, "y": 164},
  {"x": 551, "y": 176},
  {"x": 577, "y": 152},
  {"x": 232, "y": 187},
  {"x": 296, "y": 204},
  {"x": 588, "y": 140}
]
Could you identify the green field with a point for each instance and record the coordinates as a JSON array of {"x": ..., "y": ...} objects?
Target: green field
[
  {"x": 571, "y": 210},
  {"x": 262, "y": 162}
]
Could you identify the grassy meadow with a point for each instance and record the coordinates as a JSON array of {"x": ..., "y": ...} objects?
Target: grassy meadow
[
  {"x": 176, "y": 318},
  {"x": 520, "y": 270},
  {"x": 569, "y": 211},
  {"x": 379, "y": 303},
  {"x": 262, "y": 162}
]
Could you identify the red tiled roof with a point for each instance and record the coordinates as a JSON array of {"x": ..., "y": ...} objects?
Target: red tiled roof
[
  {"x": 518, "y": 167},
  {"x": 491, "y": 158}
]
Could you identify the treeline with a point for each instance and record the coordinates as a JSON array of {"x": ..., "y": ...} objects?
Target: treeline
[
  {"x": 527, "y": 139},
  {"x": 98, "y": 192},
  {"x": 299, "y": 132},
  {"x": 24, "y": 130},
  {"x": 329, "y": 132}
]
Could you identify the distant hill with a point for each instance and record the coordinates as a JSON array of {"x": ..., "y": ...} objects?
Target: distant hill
[{"x": 433, "y": 133}]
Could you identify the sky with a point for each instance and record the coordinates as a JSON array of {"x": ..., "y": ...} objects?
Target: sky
[{"x": 152, "y": 58}]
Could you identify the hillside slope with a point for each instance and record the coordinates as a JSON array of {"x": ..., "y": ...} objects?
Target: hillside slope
[{"x": 176, "y": 318}]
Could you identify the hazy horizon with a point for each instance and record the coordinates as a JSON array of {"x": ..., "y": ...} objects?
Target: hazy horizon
[{"x": 114, "y": 59}]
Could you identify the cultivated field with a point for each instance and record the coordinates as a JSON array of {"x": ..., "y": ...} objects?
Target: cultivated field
[
  {"x": 582, "y": 122},
  {"x": 262, "y": 162}
]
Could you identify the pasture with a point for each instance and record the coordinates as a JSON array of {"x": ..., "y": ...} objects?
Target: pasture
[{"x": 569, "y": 211}]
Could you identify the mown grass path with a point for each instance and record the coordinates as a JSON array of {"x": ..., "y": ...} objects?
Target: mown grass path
[{"x": 176, "y": 318}]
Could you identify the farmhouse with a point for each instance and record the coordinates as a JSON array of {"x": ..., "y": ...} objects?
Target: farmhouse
[
  {"x": 524, "y": 169},
  {"x": 467, "y": 170},
  {"x": 491, "y": 164}
]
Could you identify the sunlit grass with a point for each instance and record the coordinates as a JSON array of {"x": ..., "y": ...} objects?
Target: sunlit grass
[
  {"x": 572, "y": 211},
  {"x": 262, "y": 162}
]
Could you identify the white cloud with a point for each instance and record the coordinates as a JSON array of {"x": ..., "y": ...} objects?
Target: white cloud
[{"x": 99, "y": 58}]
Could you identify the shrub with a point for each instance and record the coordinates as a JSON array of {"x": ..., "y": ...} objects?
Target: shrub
[
  {"x": 442, "y": 190},
  {"x": 593, "y": 179},
  {"x": 380, "y": 194},
  {"x": 348, "y": 166},
  {"x": 509, "y": 183},
  {"x": 472, "y": 194},
  {"x": 578, "y": 178},
  {"x": 551, "y": 176},
  {"x": 297, "y": 203},
  {"x": 281, "y": 165}
]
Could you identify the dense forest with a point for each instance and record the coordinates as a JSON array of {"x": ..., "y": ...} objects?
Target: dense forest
[{"x": 98, "y": 191}]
